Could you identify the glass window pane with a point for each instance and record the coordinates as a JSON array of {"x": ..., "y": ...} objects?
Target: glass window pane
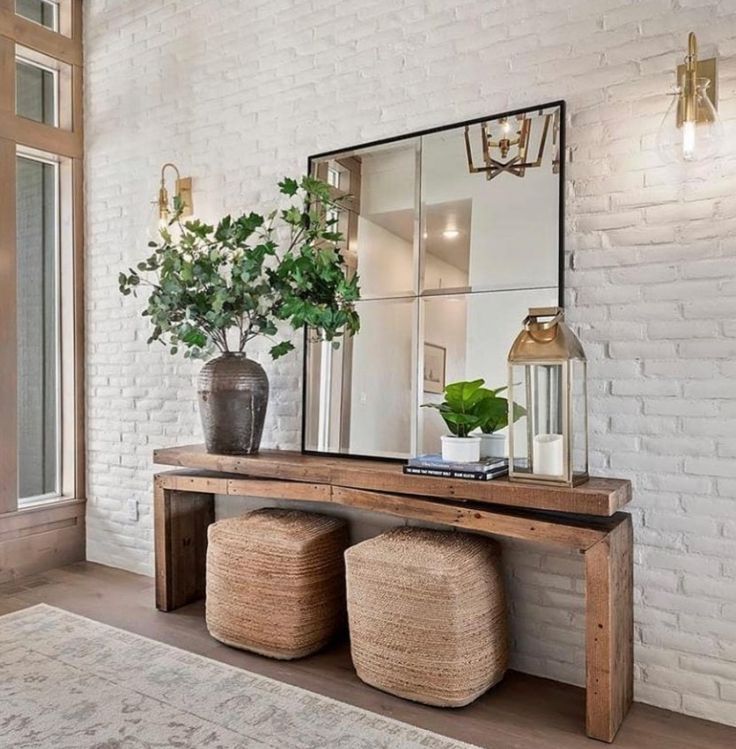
[
  {"x": 38, "y": 359},
  {"x": 35, "y": 92},
  {"x": 40, "y": 11}
]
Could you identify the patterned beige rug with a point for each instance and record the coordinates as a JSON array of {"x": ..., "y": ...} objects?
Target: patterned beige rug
[{"x": 67, "y": 682}]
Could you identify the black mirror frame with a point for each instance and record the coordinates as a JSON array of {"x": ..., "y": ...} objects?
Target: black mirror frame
[{"x": 416, "y": 134}]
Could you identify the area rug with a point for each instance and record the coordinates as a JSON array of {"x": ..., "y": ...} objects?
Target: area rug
[{"x": 67, "y": 682}]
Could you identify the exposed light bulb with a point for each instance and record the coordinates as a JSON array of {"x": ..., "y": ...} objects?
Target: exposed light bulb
[
  {"x": 163, "y": 217},
  {"x": 688, "y": 140}
]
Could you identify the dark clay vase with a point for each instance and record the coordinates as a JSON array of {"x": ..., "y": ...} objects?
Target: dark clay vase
[{"x": 233, "y": 395}]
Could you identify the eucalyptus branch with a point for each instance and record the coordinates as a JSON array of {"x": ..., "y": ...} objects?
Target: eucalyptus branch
[
  {"x": 218, "y": 337},
  {"x": 240, "y": 332},
  {"x": 296, "y": 238},
  {"x": 245, "y": 333}
]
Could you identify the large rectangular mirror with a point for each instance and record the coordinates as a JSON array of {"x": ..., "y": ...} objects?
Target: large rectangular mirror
[{"x": 455, "y": 233}]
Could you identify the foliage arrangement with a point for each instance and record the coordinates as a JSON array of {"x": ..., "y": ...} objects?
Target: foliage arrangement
[
  {"x": 468, "y": 406},
  {"x": 219, "y": 287}
]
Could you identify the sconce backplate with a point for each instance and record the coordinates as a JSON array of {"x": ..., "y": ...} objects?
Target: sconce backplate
[
  {"x": 706, "y": 69},
  {"x": 184, "y": 191}
]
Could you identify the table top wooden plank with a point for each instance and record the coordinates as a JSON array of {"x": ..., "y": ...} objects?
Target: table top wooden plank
[{"x": 598, "y": 496}]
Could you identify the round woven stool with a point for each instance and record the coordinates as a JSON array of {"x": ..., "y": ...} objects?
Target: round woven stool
[
  {"x": 275, "y": 581},
  {"x": 427, "y": 614}
]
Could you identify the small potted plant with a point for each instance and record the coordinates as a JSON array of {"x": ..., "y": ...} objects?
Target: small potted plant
[
  {"x": 462, "y": 415},
  {"x": 218, "y": 287},
  {"x": 494, "y": 414}
]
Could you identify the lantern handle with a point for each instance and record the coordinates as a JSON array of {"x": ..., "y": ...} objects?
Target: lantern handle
[{"x": 532, "y": 323}]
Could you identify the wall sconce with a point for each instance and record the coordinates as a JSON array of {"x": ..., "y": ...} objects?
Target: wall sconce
[
  {"x": 691, "y": 129},
  {"x": 182, "y": 195}
]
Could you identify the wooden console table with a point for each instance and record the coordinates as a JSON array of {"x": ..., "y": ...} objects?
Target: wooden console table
[{"x": 584, "y": 518}]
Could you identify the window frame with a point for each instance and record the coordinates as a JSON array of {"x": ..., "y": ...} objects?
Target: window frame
[{"x": 27, "y": 138}]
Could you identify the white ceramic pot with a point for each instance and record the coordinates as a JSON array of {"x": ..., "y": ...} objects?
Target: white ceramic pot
[
  {"x": 493, "y": 445},
  {"x": 460, "y": 449}
]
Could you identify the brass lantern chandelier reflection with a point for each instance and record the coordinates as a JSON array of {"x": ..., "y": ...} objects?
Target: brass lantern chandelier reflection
[{"x": 505, "y": 144}]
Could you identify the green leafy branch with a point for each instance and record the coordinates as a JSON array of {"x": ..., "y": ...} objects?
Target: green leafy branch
[{"x": 220, "y": 286}]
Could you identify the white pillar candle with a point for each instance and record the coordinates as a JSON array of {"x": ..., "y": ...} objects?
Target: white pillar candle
[{"x": 547, "y": 456}]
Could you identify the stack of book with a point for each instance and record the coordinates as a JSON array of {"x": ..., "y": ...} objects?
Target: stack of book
[{"x": 433, "y": 465}]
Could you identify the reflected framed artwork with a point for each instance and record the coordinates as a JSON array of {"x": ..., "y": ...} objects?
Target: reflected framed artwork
[{"x": 435, "y": 362}]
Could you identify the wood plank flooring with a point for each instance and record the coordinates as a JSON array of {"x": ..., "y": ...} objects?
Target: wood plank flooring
[{"x": 523, "y": 712}]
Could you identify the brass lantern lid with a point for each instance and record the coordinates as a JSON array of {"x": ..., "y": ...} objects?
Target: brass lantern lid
[{"x": 545, "y": 337}]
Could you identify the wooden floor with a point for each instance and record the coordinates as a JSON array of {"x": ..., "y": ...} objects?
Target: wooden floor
[{"x": 523, "y": 712}]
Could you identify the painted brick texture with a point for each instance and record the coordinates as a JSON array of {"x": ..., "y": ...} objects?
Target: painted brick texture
[{"x": 239, "y": 92}]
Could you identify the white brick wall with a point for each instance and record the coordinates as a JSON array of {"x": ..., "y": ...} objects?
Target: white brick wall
[{"x": 239, "y": 92}]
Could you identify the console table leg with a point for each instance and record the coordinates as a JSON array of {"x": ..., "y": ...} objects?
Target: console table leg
[
  {"x": 180, "y": 525},
  {"x": 609, "y": 632}
]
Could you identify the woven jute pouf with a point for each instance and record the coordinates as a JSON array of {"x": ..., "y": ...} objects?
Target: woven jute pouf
[
  {"x": 427, "y": 614},
  {"x": 275, "y": 581}
]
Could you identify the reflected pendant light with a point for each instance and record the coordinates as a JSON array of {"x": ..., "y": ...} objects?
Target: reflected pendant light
[
  {"x": 691, "y": 129},
  {"x": 505, "y": 145}
]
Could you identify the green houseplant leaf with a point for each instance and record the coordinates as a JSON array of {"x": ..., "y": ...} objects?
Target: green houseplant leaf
[
  {"x": 459, "y": 408},
  {"x": 494, "y": 412}
]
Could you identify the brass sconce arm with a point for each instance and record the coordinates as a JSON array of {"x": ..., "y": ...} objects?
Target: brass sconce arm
[
  {"x": 690, "y": 77},
  {"x": 182, "y": 191}
]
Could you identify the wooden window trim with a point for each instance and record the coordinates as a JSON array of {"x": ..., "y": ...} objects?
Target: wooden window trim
[
  {"x": 8, "y": 333},
  {"x": 33, "y": 35},
  {"x": 17, "y": 131},
  {"x": 42, "y": 137}
]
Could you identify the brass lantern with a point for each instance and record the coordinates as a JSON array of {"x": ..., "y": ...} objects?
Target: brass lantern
[{"x": 548, "y": 380}]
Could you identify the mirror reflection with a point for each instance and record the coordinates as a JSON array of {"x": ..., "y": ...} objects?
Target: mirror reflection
[
  {"x": 473, "y": 333},
  {"x": 378, "y": 186},
  {"x": 455, "y": 234},
  {"x": 361, "y": 396},
  {"x": 494, "y": 229}
]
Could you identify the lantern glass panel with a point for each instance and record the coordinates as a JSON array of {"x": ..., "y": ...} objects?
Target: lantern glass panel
[
  {"x": 539, "y": 436},
  {"x": 579, "y": 418}
]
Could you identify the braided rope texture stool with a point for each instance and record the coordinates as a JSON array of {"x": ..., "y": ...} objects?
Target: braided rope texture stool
[
  {"x": 427, "y": 614},
  {"x": 275, "y": 581}
]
